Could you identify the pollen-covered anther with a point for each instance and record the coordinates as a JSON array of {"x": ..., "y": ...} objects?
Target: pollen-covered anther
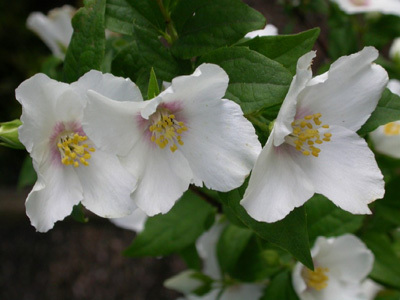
[
  {"x": 166, "y": 130},
  {"x": 73, "y": 150},
  {"x": 317, "y": 279},
  {"x": 306, "y": 134},
  {"x": 392, "y": 128}
]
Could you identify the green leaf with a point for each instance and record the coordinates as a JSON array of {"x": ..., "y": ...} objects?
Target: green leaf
[
  {"x": 121, "y": 14},
  {"x": 205, "y": 25},
  {"x": 230, "y": 246},
  {"x": 280, "y": 288},
  {"x": 174, "y": 231},
  {"x": 153, "y": 89},
  {"x": 78, "y": 214},
  {"x": 388, "y": 110},
  {"x": 191, "y": 257},
  {"x": 27, "y": 175},
  {"x": 87, "y": 46},
  {"x": 326, "y": 219},
  {"x": 255, "y": 81},
  {"x": 290, "y": 233},
  {"x": 285, "y": 49},
  {"x": 386, "y": 268}
]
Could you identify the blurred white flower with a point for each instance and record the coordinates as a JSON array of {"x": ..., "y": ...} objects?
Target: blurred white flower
[
  {"x": 269, "y": 29},
  {"x": 55, "y": 29},
  {"x": 70, "y": 167},
  {"x": 386, "y": 138},
  {"x": 314, "y": 147},
  {"x": 186, "y": 283},
  {"x": 135, "y": 221},
  {"x": 341, "y": 266},
  {"x": 390, "y": 7},
  {"x": 187, "y": 134},
  {"x": 394, "y": 51}
]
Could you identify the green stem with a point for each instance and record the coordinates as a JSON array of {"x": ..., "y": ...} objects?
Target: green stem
[{"x": 171, "y": 31}]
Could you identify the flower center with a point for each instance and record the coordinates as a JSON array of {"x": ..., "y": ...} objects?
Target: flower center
[
  {"x": 359, "y": 2},
  {"x": 392, "y": 128},
  {"x": 73, "y": 149},
  {"x": 306, "y": 135},
  {"x": 317, "y": 279},
  {"x": 166, "y": 129}
]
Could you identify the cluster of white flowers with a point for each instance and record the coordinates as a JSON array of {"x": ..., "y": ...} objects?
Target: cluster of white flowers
[
  {"x": 391, "y": 7},
  {"x": 97, "y": 142}
]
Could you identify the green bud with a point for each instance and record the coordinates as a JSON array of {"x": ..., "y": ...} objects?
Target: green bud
[
  {"x": 271, "y": 257},
  {"x": 9, "y": 134}
]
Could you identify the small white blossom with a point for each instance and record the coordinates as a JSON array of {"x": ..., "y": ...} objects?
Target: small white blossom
[
  {"x": 341, "y": 266},
  {"x": 314, "y": 147},
  {"x": 206, "y": 246},
  {"x": 394, "y": 51},
  {"x": 55, "y": 29},
  {"x": 391, "y": 7},
  {"x": 386, "y": 138},
  {"x": 70, "y": 167},
  {"x": 187, "y": 134}
]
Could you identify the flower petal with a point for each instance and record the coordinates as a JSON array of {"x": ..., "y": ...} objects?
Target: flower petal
[
  {"x": 108, "y": 85},
  {"x": 386, "y": 144},
  {"x": 350, "y": 93},
  {"x": 207, "y": 84},
  {"x": 56, "y": 191},
  {"x": 220, "y": 145},
  {"x": 383, "y": 6},
  {"x": 163, "y": 176},
  {"x": 38, "y": 96},
  {"x": 112, "y": 125},
  {"x": 345, "y": 171},
  {"x": 106, "y": 186},
  {"x": 243, "y": 291},
  {"x": 135, "y": 221},
  {"x": 277, "y": 184},
  {"x": 346, "y": 257},
  {"x": 287, "y": 112}
]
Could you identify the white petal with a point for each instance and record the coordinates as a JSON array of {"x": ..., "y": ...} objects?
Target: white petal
[
  {"x": 369, "y": 289},
  {"x": 394, "y": 85},
  {"x": 55, "y": 30},
  {"x": 53, "y": 196},
  {"x": 220, "y": 145},
  {"x": 287, "y": 112},
  {"x": 38, "y": 96},
  {"x": 350, "y": 93},
  {"x": 277, "y": 184},
  {"x": 108, "y": 85},
  {"x": 163, "y": 176},
  {"x": 184, "y": 282},
  {"x": 69, "y": 107},
  {"x": 206, "y": 246},
  {"x": 268, "y": 30},
  {"x": 112, "y": 125},
  {"x": 383, "y": 6},
  {"x": 134, "y": 221},
  {"x": 207, "y": 84},
  {"x": 299, "y": 285},
  {"x": 243, "y": 291},
  {"x": 345, "y": 171},
  {"x": 386, "y": 144},
  {"x": 106, "y": 186},
  {"x": 346, "y": 257}
]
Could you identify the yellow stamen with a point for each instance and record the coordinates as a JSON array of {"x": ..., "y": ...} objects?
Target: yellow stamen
[
  {"x": 392, "y": 128},
  {"x": 72, "y": 149},
  {"x": 318, "y": 280}
]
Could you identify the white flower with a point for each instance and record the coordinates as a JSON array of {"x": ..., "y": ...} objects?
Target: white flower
[
  {"x": 269, "y": 29},
  {"x": 386, "y": 138},
  {"x": 314, "y": 148},
  {"x": 394, "y": 51},
  {"x": 206, "y": 247},
  {"x": 187, "y": 134},
  {"x": 341, "y": 266},
  {"x": 391, "y": 7},
  {"x": 70, "y": 167},
  {"x": 55, "y": 29},
  {"x": 134, "y": 221}
]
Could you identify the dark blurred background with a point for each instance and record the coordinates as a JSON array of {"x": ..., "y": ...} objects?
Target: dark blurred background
[{"x": 73, "y": 260}]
